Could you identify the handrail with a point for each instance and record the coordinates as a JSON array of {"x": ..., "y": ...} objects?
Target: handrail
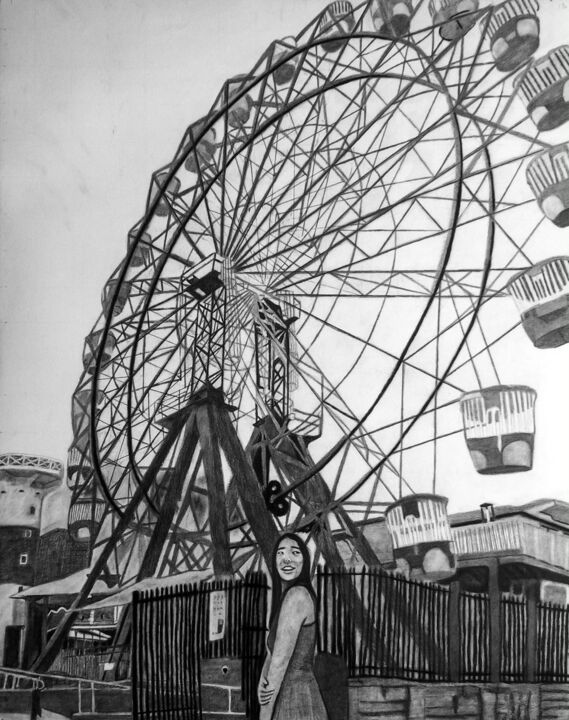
[
  {"x": 38, "y": 682},
  {"x": 42, "y": 677},
  {"x": 15, "y": 676}
]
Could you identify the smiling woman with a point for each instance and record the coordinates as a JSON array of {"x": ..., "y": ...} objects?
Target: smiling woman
[{"x": 287, "y": 687}]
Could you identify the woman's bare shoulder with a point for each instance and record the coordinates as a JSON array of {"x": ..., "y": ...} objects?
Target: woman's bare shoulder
[{"x": 298, "y": 598}]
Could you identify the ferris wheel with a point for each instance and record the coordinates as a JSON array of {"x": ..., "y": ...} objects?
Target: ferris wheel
[{"x": 306, "y": 308}]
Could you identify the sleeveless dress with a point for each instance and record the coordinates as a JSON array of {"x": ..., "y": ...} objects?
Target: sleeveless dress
[{"x": 299, "y": 697}]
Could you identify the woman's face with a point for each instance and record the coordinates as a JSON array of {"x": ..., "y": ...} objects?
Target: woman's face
[{"x": 289, "y": 559}]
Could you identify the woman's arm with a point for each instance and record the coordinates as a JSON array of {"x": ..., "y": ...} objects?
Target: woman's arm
[
  {"x": 262, "y": 695},
  {"x": 296, "y": 608}
]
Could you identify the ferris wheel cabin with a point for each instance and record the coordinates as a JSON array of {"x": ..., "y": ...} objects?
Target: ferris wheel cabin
[
  {"x": 85, "y": 514},
  {"x": 545, "y": 89},
  {"x": 239, "y": 111},
  {"x": 78, "y": 464},
  {"x": 541, "y": 294},
  {"x": 170, "y": 190},
  {"x": 392, "y": 17},
  {"x": 91, "y": 349},
  {"x": 337, "y": 19},
  {"x": 499, "y": 427},
  {"x": 420, "y": 533},
  {"x": 548, "y": 177},
  {"x": 122, "y": 296},
  {"x": 455, "y": 17},
  {"x": 201, "y": 154},
  {"x": 142, "y": 255},
  {"x": 81, "y": 409},
  {"x": 285, "y": 72},
  {"x": 514, "y": 33}
]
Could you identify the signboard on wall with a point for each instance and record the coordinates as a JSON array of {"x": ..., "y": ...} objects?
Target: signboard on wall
[{"x": 217, "y": 611}]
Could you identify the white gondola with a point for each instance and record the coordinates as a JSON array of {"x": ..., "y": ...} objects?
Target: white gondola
[
  {"x": 548, "y": 177},
  {"x": 337, "y": 20},
  {"x": 170, "y": 190},
  {"x": 239, "y": 110},
  {"x": 514, "y": 33},
  {"x": 391, "y": 17},
  {"x": 545, "y": 89},
  {"x": 123, "y": 293},
  {"x": 455, "y": 17},
  {"x": 142, "y": 255},
  {"x": 499, "y": 427},
  {"x": 78, "y": 462},
  {"x": 91, "y": 349},
  {"x": 85, "y": 515},
  {"x": 420, "y": 534},
  {"x": 81, "y": 409},
  {"x": 541, "y": 294},
  {"x": 202, "y": 151},
  {"x": 285, "y": 72}
]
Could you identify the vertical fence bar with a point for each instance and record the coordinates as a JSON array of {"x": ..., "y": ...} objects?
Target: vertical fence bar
[
  {"x": 454, "y": 631},
  {"x": 134, "y": 646},
  {"x": 495, "y": 624}
]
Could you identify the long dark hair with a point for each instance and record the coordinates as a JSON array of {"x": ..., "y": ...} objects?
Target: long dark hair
[{"x": 281, "y": 587}]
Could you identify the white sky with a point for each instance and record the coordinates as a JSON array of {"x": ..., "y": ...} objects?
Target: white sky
[{"x": 95, "y": 96}]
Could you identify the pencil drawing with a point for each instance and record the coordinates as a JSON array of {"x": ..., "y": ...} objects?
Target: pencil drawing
[{"x": 322, "y": 317}]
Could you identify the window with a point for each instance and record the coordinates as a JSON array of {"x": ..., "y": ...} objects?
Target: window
[
  {"x": 27, "y": 533},
  {"x": 33, "y": 510},
  {"x": 24, "y": 559}
]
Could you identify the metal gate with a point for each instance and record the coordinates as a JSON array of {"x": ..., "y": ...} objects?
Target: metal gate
[{"x": 174, "y": 628}]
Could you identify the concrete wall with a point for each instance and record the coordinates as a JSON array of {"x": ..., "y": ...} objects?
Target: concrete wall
[
  {"x": 20, "y": 502},
  {"x": 221, "y": 689},
  {"x": 400, "y": 700}
]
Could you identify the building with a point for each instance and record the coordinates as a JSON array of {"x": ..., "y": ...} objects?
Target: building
[
  {"x": 524, "y": 548},
  {"x": 59, "y": 553},
  {"x": 25, "y": 480},
  {"x": 519, "y": 549}
]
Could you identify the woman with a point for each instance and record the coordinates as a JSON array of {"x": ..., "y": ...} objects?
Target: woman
[{"x": 288, "y": 689}]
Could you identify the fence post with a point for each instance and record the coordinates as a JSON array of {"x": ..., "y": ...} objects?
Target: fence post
[
  {"x": 495, "y": 624},
  {"x": 134, "y": 640},
  {"x": 454, "y": 631},
  {"x": 531, "y": 630}
]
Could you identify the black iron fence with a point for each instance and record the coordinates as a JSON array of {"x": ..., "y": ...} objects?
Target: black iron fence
[
  {"x": 175, "y": 628},
  {"x": 552, "y": 643},
  {"x": 381, "y": 624},
  {"x": 384, "y": 625}
]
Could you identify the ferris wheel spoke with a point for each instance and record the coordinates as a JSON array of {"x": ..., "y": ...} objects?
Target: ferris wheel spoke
[
  {"x": 486, "y": 345},
  {"x": 375, "y": 214},
  {"x": 496, "y": 340},
  {"x": 467, "y": 343},
  {"x": 300, "y": 171},
  {"x": 505, "y": 233},
  {"x": 377, "y": 348},
  {"x": 503, "y": 130},
  {"x": 347, "y": 146},
  {"x": 276, "y": 128},
  {"x": 411, "y": 83}
]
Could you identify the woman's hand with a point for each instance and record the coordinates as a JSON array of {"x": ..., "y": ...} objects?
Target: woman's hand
[{"x": 265, "y": 692}]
